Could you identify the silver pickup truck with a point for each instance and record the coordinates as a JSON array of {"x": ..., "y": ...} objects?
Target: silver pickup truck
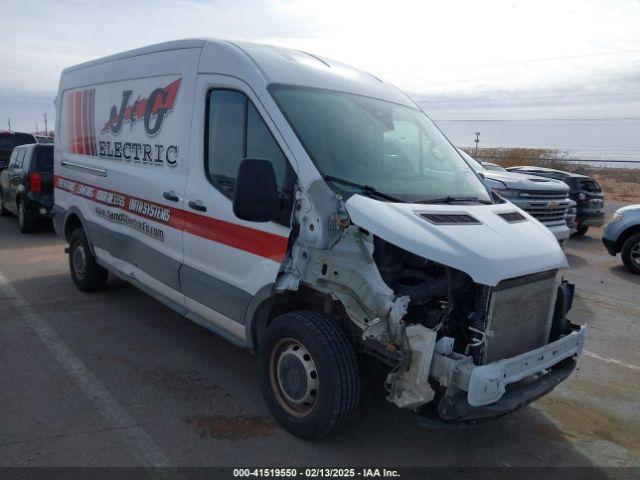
[{"x": 545, "y": 199}]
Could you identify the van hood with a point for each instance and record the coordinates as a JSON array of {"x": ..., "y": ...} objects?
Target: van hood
[
  {"x": 519, "y": 181},
  {"x": 489, "y": 252}
]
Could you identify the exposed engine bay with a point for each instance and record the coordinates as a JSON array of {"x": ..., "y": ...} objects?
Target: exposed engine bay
[
  {"x": 444, "y": 336},
  {"x": 441, "y": 298}
]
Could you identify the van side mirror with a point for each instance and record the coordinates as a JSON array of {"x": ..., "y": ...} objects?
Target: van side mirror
[{"x": 256, "y": 191}]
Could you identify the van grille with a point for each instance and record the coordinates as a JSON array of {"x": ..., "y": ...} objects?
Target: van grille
[{"x": 520, "y": 315}]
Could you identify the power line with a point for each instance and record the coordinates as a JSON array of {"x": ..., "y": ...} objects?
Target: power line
[
  {"x": 585, "y": 119},
  {"x": 518, "y": 62},
  {"x": 508, "y": 97},
  {"x": 563, "y": 145},
  {"x": 552, "y": 159}
]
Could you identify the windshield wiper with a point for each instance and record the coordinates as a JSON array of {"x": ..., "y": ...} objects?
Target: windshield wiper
[
  {"x": 450, "y": 199},
  {"x": 364, "y": 188}
]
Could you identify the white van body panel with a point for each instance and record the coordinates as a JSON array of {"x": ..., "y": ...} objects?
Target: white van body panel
[
  {"x": 489, "y": 252},
  {"x": 131, "y": 163}
]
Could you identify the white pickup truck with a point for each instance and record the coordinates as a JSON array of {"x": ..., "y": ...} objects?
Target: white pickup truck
[{"x": 545, "y": 199}]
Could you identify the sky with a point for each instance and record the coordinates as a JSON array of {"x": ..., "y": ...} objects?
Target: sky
[{"x": 562, "y": 74}]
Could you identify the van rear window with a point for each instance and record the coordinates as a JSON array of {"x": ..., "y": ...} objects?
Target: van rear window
[{"x": 43, "y": 161}]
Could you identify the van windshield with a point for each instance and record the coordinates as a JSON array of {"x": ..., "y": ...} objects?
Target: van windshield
[{"x": 391, "y": 148}]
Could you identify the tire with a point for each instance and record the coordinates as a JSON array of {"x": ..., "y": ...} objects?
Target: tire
[
  {"x": 631, "y": 254},
  {"x": 87, "y": 275},
  {"x": 582, "y": 229},
  {"x": 25, "y": 222},
  {"x": 331, "y": 371}
]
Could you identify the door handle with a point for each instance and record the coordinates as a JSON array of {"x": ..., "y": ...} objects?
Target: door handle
[
  {"x": 171, "y": 196},
  {"x": 197, "y": 205}
]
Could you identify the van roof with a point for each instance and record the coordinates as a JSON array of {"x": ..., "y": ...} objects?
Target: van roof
[{"x": 273, "y": 64}]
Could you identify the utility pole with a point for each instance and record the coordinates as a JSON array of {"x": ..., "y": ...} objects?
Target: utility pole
[
  {"x": 36, "y": 128},
  {"x": 477, "y": 140},
  {"x": 46, "y": 133},
  {"x": 9, "y": 121}
]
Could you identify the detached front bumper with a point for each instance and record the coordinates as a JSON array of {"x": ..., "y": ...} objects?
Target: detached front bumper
[{"x": 477, "y": 392}]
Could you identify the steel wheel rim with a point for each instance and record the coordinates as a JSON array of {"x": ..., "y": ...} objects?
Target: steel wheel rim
[
  {"x": 294, "y": 377},
  {"x": 635, "y": 254},
  {"x": 79, "y": 260}
]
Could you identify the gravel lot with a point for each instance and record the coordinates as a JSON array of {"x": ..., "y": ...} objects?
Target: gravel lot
[{"x": 117, "y": 379}]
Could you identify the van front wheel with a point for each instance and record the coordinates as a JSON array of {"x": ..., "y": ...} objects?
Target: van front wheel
[
  {"x": 87, "y": 275},
  {"x": 309, "y": 373}
]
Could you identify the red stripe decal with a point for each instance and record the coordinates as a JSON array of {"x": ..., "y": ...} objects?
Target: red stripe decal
[
  {"x": 92, "y": 122},
  {"x": 78, "y": 121},
  {"x": 83, "y": 123},
  {"x": 70, "y": 122},
  {"x": 257, "y": 242}
]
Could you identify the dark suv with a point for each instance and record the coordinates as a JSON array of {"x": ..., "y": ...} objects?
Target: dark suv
[
  {"x": 585, "y": 191},
  {"x": 26, "y": 185},
  {"x": 9, "y": 141}
]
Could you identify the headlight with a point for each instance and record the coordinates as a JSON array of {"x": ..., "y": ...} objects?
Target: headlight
[{"x": 616, "y": 217}]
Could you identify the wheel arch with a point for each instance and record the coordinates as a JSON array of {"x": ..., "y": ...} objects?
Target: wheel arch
[
  {"x": 73, "y": 220},
  {"x": 624, "y": 236},
  {"x": 266, "y": 305}
]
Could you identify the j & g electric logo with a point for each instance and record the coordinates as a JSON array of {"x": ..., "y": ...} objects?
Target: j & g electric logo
[{"x": 152, "y": 110}]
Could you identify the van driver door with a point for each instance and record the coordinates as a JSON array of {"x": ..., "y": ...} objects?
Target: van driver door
[{"x": 227, "y": 261}]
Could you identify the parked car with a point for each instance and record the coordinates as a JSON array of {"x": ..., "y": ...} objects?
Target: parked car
[
  {"x": 585, "y": 191},
  {"x": 44, "y": 139},
  {"x": 493, "y": 166},
  {"x": 26, "y": 185},
  {"x": 10, "y": 140},
  {"x": 309, "y": 212},
  {"x": 622, "y": 235},
  {"x": 546, "y": 200},
  {"x": 572, "y": 213}
]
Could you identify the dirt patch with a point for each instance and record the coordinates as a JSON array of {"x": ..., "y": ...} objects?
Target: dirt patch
[
  {"x": 619, "y": 185},
  {"x": 553, "y": 433},
  {"x": 187, "y": 384},
  {"x": 584, "y": 420},
  {"x": 241, "y": 427}
]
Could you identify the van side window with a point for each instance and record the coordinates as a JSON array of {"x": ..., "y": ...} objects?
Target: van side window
[
  {"x": 226, "y": 137},
  {"x": 261, "y": 144},
  {"x": 237, "y": 131}
]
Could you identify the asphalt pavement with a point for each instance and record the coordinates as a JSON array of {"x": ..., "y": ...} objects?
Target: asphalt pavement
[{"x": 116, "y": 379}]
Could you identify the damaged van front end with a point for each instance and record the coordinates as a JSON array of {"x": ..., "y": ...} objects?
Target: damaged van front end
[{"x": 464, "y": 303}]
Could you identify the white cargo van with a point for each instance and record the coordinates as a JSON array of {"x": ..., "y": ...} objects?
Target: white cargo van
[{"x": 312, "y": 213}]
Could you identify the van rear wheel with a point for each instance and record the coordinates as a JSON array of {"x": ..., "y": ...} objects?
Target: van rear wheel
[
  {"x": 87, "y": 275},
  {"x": 309, "y": 374}
]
